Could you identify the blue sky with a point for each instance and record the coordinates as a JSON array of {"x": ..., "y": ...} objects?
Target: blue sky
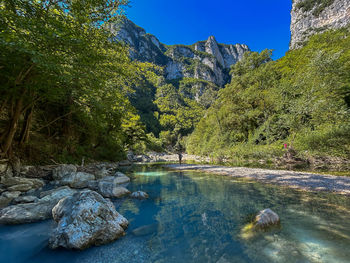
[{"x": 259, "y": 24}]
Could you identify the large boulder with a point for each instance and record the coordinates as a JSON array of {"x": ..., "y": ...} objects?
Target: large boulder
[
  {"x": 112, "y": 189},
  {"x": 62, "y": 170},
  {"x": 86, "y": 219},
  {"x": 121, "y": 178},
  {"x": 25, "y": 213},
  {"x": 266, "y": 218},
  {"x": 110, "y": 185},
  {"x": 33, "y": 212},
  {"x": 77, "y": 180},
  {"x": 22, "y": 184}
]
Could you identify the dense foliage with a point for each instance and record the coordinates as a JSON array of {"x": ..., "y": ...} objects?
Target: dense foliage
[
  {"x": 171, "y": 110},
  {"x": 303, "y": 100},
  {"x": 64, "y": 85}
]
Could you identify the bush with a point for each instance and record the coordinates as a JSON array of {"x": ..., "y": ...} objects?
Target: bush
[{"x": 327, "y": 140}]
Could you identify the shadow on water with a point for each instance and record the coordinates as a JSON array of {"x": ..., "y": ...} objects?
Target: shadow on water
[{"x": 196, "y": 217}]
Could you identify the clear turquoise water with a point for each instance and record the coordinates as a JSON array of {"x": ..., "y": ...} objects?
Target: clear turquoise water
[{"x": 195, "y": 217}]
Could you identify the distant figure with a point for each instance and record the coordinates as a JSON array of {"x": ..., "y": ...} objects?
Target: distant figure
[
  {"x": 179, "y": 149},
  {"x": 285, "y": 146},
  {"x": 180, "y": 157}
]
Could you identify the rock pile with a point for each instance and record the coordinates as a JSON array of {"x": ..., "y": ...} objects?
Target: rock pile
[{"x": 73, "y": 196}]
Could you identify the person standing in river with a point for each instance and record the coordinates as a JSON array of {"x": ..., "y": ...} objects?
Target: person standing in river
[
  {"x": 180, "y": 157},
  {"x": 179, "y": 150}
]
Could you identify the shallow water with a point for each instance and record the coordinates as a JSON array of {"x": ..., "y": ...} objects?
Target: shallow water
[{"x": 196, "y": 217}]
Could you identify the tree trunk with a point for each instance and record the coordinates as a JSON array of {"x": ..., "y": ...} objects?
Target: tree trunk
[
  {"x": 7, "y": 143},
  {"x": 3, "y": 104},
  {"x": 26, "y": 127}
]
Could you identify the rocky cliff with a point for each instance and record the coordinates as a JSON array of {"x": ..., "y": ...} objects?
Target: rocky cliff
[
  {"x": 205, "y": 60},
  {"x": 315, "y": 16}
]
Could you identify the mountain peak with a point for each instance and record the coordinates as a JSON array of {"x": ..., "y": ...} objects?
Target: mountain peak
[{"x": 211, "y": 38}]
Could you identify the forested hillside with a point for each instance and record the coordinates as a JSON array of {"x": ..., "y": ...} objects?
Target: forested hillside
[
  {"x": 302, "y": 100},
  {"x": 189, "y": 77}
]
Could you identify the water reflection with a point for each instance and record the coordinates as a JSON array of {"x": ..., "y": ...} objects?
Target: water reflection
[{"x": 195, "y": 217}]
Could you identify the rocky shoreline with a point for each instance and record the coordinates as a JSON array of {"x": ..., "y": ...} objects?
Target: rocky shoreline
[
  {"x": 292, "y": 179},
  {"x": 76, "y": 197}
]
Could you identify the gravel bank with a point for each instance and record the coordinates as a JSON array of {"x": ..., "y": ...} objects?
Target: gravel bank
[{"x": 298, "y": 180}]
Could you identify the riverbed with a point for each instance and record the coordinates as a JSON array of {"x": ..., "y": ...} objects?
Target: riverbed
[{"x": 193, "y": 216}]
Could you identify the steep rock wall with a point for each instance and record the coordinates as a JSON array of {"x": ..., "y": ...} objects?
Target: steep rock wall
[{"x": 310, "y": 17}]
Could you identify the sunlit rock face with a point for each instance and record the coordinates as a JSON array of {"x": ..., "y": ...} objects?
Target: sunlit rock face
[
  {"x": 312, "y": 17},
  {"x": 205, "y": 60},
  {"x": 143, "y": 47}
]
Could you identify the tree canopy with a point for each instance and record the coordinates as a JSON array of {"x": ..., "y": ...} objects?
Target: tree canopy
[{"x": 62, "y": 78}]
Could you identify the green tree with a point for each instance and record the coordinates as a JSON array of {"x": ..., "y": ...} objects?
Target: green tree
[{"x": 61, "y": 72}]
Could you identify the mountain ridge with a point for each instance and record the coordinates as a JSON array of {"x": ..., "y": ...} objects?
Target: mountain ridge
[{"x": 204, "y": 60}]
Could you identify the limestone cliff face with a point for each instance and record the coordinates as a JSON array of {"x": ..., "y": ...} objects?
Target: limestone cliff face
[
  {"x": 205, "y": 60},
  {"x": 143, "y": 47},
  {"x": 310, "y": 17}
]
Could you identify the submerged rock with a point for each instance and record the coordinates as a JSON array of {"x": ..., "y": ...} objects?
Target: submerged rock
[
  {"x": 86, "y": 219},
  {"x": 146, "y": 230},
  {"x": 33, "y": 212},
  {"x": 139, "y": 195},
  {"x": 266, "y": 218}
]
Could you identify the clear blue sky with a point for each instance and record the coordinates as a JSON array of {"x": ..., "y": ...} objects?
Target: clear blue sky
[{"x": 259, "y": 24}]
